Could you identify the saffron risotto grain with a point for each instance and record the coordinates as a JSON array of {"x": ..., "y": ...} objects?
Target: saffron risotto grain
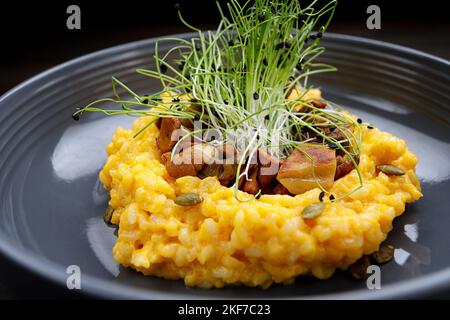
[{"x": 222, "y": 241}]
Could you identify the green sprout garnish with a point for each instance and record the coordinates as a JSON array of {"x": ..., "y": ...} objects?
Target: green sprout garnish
[{"x": 241, "y": 76}]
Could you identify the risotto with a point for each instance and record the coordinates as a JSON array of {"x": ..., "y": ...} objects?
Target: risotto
[
  {"x": 237, "y": 171},
  {"x": 224, "y": 241}
]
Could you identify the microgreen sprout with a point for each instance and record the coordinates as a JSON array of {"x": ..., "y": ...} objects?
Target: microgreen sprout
[{"x": 241, "y": 76}]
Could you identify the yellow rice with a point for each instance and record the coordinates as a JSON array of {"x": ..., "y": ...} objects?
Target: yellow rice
[{"x": 223, "y": 241}]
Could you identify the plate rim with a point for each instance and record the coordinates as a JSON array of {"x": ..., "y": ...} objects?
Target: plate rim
[{"x": 434, "y": 282}]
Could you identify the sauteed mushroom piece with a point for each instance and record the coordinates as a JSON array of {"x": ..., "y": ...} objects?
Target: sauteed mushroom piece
[{"x": 307, "y": 166}]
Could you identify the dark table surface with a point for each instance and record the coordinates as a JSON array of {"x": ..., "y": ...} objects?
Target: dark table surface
[
  {"x": 18, "y": 283},
  {"x": 18, "y": 66}
]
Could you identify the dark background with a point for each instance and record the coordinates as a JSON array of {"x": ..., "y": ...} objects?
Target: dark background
[{"x": 34, "y": 37}]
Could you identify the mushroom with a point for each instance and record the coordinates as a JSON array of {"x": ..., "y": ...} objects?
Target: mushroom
[
  {"x": 268, "y": 168},
  {"x": 308, "y": 166},
  {"x": 343, "y": 165},
  {"x": 224, "y": 168},
  {"x": 177, "y": 170},
  {"x": 280, "y": 189},
  {"x": 166, "y": 141},
  {"x": 190, "y": 160},
  {"x": 251, "y": 185}
]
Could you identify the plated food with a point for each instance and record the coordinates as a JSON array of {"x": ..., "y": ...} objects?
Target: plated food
[{"x": 238, "y": 171}]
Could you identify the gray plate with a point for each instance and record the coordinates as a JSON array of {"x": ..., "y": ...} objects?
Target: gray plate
[{"x": 52, "y": 202}]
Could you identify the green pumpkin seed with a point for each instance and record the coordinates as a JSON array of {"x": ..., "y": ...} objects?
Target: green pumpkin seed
[
  {"x": 390, "y": 170},
  {"x": 107, "y": 215},
  {"x": 384, "y": 254},
  {"x": 313, "y": 210},
  {"x": 188, "y": 199},
  {"x": 358, "y": 270},
  {"x": 211, "y": 170}
]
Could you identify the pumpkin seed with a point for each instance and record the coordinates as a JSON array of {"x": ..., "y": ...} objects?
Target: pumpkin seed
[
  {"x": 107, "y": 215},
  {"x": 188, "y": 199},
  {"x": 228, "y": 173},
  {"x": 384, "y": 254},
  {"x": 390, "y": 169},
  {"x": 313, "y": 210},
  {"x": 358, "y": 270},
  {"x": 211, "y": 170}
]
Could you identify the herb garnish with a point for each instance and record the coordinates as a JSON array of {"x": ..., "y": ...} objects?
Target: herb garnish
[{"x": 241, "y": 76}]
